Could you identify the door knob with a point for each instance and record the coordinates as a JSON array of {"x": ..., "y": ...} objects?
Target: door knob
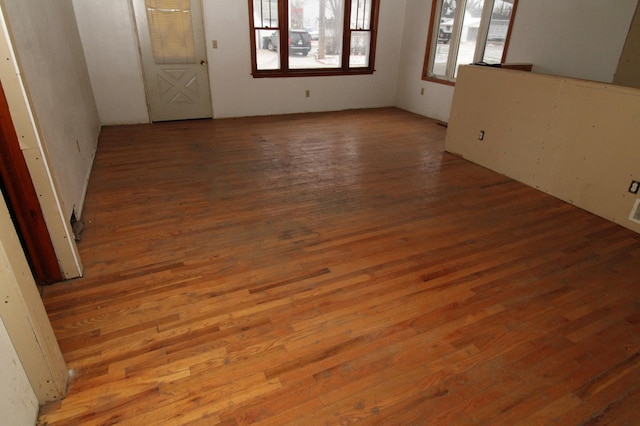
[{"x": 202, "y": 62}]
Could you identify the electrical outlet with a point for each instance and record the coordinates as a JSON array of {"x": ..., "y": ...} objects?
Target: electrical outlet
[
  {"x": 422, "y": 91},
  {"x": 307, "y": 93},
  {"x": 634, "y": 187},
  {"x": 481, "y": 135},
  {"x": 214, "y": 44}
]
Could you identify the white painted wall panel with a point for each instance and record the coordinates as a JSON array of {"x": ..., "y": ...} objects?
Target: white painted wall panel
[
  {"x": 436, "y": 100},
  {"x": 110, "y": 45},
  {"x": 571, "y": 38},
  {"x": 45, "y": 37},
  {"x": 237, "y": 93},
  {"x": 106, "y": 35}
]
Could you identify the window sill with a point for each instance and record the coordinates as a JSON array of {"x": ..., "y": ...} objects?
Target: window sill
[
  {"x": 310, "y": 73},
  {"x": 439, "y": 81},
  {"x": 514, "y": 66}
]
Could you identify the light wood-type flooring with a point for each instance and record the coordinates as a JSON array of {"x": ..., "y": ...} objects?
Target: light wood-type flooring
[{"x": 338, "y": 268}]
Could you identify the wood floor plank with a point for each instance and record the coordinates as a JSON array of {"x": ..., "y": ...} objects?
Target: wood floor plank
[{"x": 338, "y": 268}]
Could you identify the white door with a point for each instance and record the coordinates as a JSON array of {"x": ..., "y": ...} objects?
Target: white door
[{"x": 173, "y": 58}]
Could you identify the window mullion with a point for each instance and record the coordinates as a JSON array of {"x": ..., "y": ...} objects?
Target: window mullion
[
  {"x": 483, "y": 30},
  {"x": 262, "y": 13},
  {"x": 346, "y": 35},
  {"x": 283, "y": 27},
  {"x": 456, "y": 35},
  {"x": 433, "y": 48}
]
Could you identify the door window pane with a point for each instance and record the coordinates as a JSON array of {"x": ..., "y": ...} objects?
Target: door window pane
[{"x": 171, "y": 31}]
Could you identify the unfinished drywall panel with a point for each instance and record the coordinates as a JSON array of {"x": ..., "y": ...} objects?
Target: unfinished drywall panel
[
  {"x": 25, "y": 318},
  {"x": 18, "y": 402},
  {"x": 596, "y": 132},
  {"x": 524, "y": 107},
  {"x": 574, "y": 139},
  {"x": 628, "y": 71}
]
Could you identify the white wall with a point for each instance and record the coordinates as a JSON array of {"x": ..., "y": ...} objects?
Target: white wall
[
  {"x": 110, "y": 45},
  {"x": 572, "y": 38},
  {"x": 18, "y": 402},
  {"x": 237, "y": 93},
  {"x": 629, "y": 63},
  {"x": 47, "y": 44},
  {"x": 234, "y": 91},
  {"x": 436, "y": 100}
]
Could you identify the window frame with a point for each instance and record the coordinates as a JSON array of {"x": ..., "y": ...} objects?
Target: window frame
[
  {"x": 482, "y": 36},
  {"x": 283, "y": 28}
]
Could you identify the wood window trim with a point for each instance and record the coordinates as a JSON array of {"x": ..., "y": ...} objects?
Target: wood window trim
[
  {"x": 427, "y": 55},
  {"x": 285, "y": 71}
]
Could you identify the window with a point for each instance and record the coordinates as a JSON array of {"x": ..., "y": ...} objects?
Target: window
[
  {"x": 171, "y": 31},
  {"x": 465, "y": 32},
  {"x": 317, "y": 37}
]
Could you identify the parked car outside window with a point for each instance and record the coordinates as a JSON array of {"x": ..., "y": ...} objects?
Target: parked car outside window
[
  {"x": 299, "y": 41},
  {"x": 444, "y": 33}
]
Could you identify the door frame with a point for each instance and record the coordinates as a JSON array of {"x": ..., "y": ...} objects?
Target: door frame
[
  {"x": 35, "y": 156},
  {"x": 25, "y": 318},
  {"x": 23, "y": 202},
  {"x": 199, "y": 32}
]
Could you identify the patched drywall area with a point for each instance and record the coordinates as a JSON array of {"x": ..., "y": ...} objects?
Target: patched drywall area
[{"x": 574, "y": 139}]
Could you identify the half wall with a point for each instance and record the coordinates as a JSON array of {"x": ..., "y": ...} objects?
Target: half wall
[{"x": 574, "y": 139}]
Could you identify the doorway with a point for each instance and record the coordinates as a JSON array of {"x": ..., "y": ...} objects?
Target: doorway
[
  {"x": 172, "y": 47},
  {"x": 23, "y": 204}
]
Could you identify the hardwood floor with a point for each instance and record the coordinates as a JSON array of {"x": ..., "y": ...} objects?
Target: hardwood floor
[{"x": 338, "y": 268}]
